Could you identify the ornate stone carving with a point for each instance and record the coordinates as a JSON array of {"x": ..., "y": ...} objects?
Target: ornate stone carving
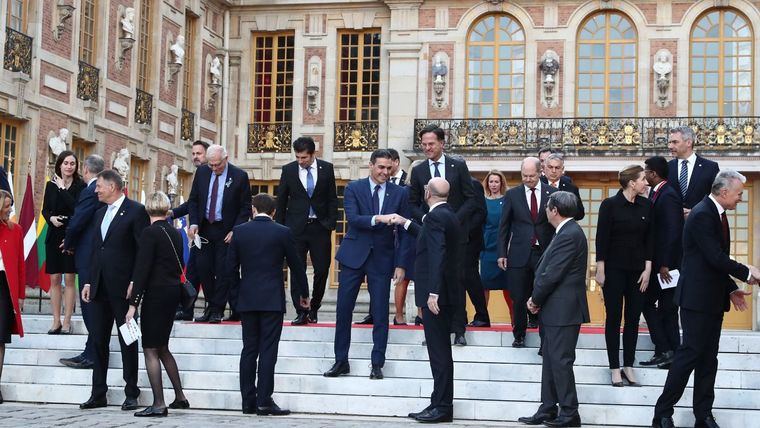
[
  {"x": 172, "y": 181},
  {"x": 355, "y": 136},
  {"x": 549, "y": 67},
  {"x": 18, "y": 52},
  {"x": 58, "y": 143},
  {"x": 121, "y": 163},
  {"x": 127, "y": 39},
  {"x": 663, "y": 70},
  {"x": 440, "y": 76},
  {"x": 269, "y": 137},
  {"x": 314, "y": 84},
  {"x": 62, "y": 13},
  {"x": 88, "y": 82}
]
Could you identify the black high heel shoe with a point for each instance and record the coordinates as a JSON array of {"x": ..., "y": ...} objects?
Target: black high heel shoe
[
  {"x": 630, "y": 382},
  {"x": 56, "y": 330},
  {"x": 617, "y": 384},
  {"x": 152, "y": 412},
  {"x": 180, "y": 404},
  {"x": 417, "y": 320}
]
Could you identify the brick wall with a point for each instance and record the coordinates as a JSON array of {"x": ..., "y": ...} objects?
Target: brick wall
[
  {"x": 163, "y": 159},
  {"x": 650, "y": 12},
  {"x": 556, "y": 46},
  {"x": 47, "y": 69},
  {"x": 170, "y": 119},
  {"x": 113, "y": 143},
  {"x": 208, "y": 135},
  {"x": 121, "y": 100},
  {"x": 426, "y": 18},
  {"x": 60, "y": 47},
  {"x": 49, "y": 121},
  {"x": 536, "y": 14},
  {"x": 678, "y": 10},
  {"x": 433, "y": 48},
  {"x": 168, "y": 93},
  {"x": 319, "y": 118},
  {"x": 564, "y": 12},
  {"x": 455, "y": 14},
  {"x": 654, "y": 109},
  {"x": 114, "y": 32}
]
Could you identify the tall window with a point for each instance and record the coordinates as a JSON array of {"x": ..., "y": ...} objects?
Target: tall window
[
  {"x": 721, "y": 65},
  {"x": 143, "y": 47},
  {"x": 606, "y": 76},
  {"x": 87, "y": 32},
  {"x": 359, "y": 75},
  {"x": 187, "y": 86},
  {"x": 81, "y": 149},
  {"x": 496, "y": 68},
  {"x": 17, "y": 15},
  {"x": 9, "y": 143},
  {"x": 273, "y": 78},
  {"x": 137, "y": 170}
]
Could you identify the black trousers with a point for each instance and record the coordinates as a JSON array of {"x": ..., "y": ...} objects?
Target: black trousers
[
  {"x": 438, "y": 341},
  {"x": 620, "y": 285},
  {"x": 697, "y": 353},
  {"x": 520, "y": 283},
  {"x": 261, "y": 339},
  {"x": 315, "y": 240},
  {"x": 474, "y": 288},
  {"x": 88, "y": 351},
  {"x": 192, "y": 275},
  {"x": 557, "y": 377},
  {"x": 661, "y": 314},
  {"x": 210, "y": 265},
  {"x": 106, "y": 310}
]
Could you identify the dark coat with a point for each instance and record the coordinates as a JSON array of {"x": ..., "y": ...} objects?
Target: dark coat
[
  {"x": 81, "y": 228},
  {"x": 566, "y": 184},
  {"x": 159, "y": 261},
  {"x": 293, "y": 202},
  {"x": 668, "y": 228},
  {"x": 236, "y": 199},
  {"x": 700, "y": 183},
  {"x": 516, "y": 227}
]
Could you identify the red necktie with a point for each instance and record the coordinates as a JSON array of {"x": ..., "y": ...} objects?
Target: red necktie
[
  {"x": 726, "y": 233},
  {"x": 534, "y": 212},
  {"x": 212, "y": 205}
]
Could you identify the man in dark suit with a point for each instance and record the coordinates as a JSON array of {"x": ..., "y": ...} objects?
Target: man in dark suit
[
  {"x": 559, "y": 297},
  {"x": 471, "y": 264},
  {"x": 371, "y": 248},
  {"x": 690, "y": 174},
  {"x": 554, "y": 175},
  {"x": 438, "y": 290},
  {"x": 659, "y": 309},
  {"x": 4, "y": 184},
  {"x": 79, "y": 237},
  {"x": 108, "y": 283},
  {"x": 307, "y": 202},
  {"x": 257, "y": 250},
  {"x": 524, "y": 233},
  {"x": 705, "y": 291},
  {"x": 398, "y": 175},
  {"x": 220, "y": 199}
]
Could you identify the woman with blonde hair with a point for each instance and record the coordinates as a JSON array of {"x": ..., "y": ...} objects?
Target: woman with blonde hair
[{"x": 495, "y": 185}]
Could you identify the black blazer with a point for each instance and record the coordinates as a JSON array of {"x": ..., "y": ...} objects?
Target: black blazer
[
  {"x": 81, "y": 228},
  {"x": 293, "y": 202},
  {"x": 158, "y": 264},
  {"x": 700, "y": 182},
  {"x": 113, "y": 259},
  {"x": 560, "y": 284},
  {"x": 566, "y": 184},
  {"x": 668, "y": 228},
  {"x": 477, "y": 217},
  {"x": 254, "y": 266},
  {"x": 461, "y": 194},
  {"x": 236, "y": 199},
  {"x": 4, "y": 184},
  {"x": 437, "y": 266},
  {"x": 705, "y": 281},
  {"x": 625, "y": 232},
  {"x": 402, "y": 179},
  {"x": 60, "y": 202},
  {"x": 516, "y": 227}
]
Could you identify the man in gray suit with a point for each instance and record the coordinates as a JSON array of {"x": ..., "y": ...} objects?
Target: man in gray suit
[{"x": 559, "y": 297}]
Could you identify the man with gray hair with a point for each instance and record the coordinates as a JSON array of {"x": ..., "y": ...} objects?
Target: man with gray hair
[
  {"x": 554, "y": 175},
  {"x": 690, "y": 174}
]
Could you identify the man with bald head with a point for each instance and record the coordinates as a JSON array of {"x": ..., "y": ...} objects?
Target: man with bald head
[{"x": 524, "y": 233}]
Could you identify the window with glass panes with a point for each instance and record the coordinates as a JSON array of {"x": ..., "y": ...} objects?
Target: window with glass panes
[
  {"x": 358, "y": 75},
  {"x": 10, "y": 138},
  {"x": 137, "y": 170},
  {"x": 81, "y": 149},
  {"x": 187, "y": 83},
  {"x": 87, "y": 31},
  {"x": 16, "y": 18},
  {"x": 143, "y": 46},
  {"x": 273, "y": 62},
  {"x": 720, "y": 63},
  {"x": 606, "y": 67},
  {"x": 496, "y": 68}
]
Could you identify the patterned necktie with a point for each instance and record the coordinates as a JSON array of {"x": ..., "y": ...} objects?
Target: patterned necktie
[
  {"x": 726, "y": 233},
  {"x": 107, "y": 221},
  {"x": 214, "y": 197},
  {"x": 683, "y": 177},
  {"x": 437, "y": 172},
  {"x": 376, "y": 200},
  {"x": 310, "y": 189}
]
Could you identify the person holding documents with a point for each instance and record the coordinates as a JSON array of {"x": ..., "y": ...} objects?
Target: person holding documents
[
  {"x": 157, "y": 284},
  {"x": 624, "y": 252}
]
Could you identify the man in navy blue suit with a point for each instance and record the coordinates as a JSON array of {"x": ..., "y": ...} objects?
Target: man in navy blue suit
[
  {"x": 374, "y": 249},
  {"x": 78, "y": 240},
  {"x": 690, "y": 174},
  {"x": 257, "y": 250}
]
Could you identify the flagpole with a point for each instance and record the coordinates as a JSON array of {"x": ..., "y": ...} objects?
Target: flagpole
[{"x": 39, "y": 289}]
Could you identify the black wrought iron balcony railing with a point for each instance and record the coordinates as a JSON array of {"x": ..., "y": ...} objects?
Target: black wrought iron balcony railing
[
  {"x": 18, "y": 52},
  {"x": 143, "y": 107},
  {"x": 88, "y": 82},
  {"x": 593, "y": 136},
  {"x": 355, "y": 136},
  {"x": 187, "y": 125},
  {"x": 269, "y": 137}
]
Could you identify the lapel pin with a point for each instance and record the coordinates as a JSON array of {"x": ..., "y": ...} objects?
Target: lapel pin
[{"x": 229, "y": 181}]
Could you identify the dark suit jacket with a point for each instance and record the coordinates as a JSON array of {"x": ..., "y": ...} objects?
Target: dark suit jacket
[
  {"x": 668, "y": 228},
  {"x": 254, "y": 265},
  {"x": 81, "y": 228},
  {"x": 113, "y": 259},
  {"x": 236, "y": 199},
  {"x": 705, "y": 281},
  {"x": 477, "y": 217},
  {"x": 293, "y": 202},
  {"x": 158, "y": 263},
  {"x": 4, "y": 184},
  {"x": 59, "y": 203},
  {"x": 516, "y": 227},
  {"x": 402, "y": 179},
  {"x": 700, "y": 183},
  {"x": 566, "y": 184},
  {"x": 362, "y": 238},
  {"x": 461, "y": 194},
  {"x": 437, "y": 266},
  {"x": 560, "y": 284}
]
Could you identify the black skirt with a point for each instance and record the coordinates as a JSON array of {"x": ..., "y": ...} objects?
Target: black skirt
[
  {"x": 7, "y": 318},
  {"x": 56, "y": 261},
  {"x": 159, "y": 305}
]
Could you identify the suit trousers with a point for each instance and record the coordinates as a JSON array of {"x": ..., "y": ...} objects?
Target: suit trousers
[
  {"x": 661, "y": 314},
  {"x": 697, "y": 353},
  {"x": 210, "y": 265},
  {"x": 379, "y": 286},
  {"x": 520, "y": 283},
  {"x": 191, "y": 272},
  {"x": 438, "y": 341},
  {"x": 261, "y": 339},
  {"x": 620, "y": 285},
  {"x": 474, "y": 288},
  {"x": 557, "y": 377},
  {"x": 88, "y": 352},
  {"x": 106, "y": 310},
  {"x": 315, "y": 240}
]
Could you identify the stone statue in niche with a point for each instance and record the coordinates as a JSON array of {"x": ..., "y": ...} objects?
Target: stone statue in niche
[
  {"x": 440, "y": 71},
  {"x": 663, "y": 70},
  {"x": 121, "y": 163},
  {"x": 549, "y": 67},
  {"x": 178, "y": 50},
  {"x": 128, "y": 23},
  {"x": 216, "y": 71},
  {"x": 57, "y": 143},
  {"x": 172, "y": 180}
]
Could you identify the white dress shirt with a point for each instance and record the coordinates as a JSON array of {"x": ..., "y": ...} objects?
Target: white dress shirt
[
  {"x": 303, "y": 172},
  {"x": 559, "y": 226},
  {"x": 692, "y": 160},
  {"x": 721, "y": 210},
  {"x": 441, "y": 167},
  {"x": 538, "y": 195}
]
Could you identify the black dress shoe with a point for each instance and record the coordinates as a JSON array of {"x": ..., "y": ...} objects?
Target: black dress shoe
[
  {"x": 708, "y": 422},
  {"x": 413, "y": 415},
  {"x": 249, "y": 410},
  {"x": 434, "y": 416},
  {"x": 301, "y": 319},
  {"x": 376, "y": 372},
  {"x": 180, "y": 404},
  {"x": 215, "y": 318},
  {"x": 655, "y": 360},
  {"x": 69, "y": 362},
  {"x": 313, "y": 317},
  {"x": 459, "y": 339},
  {"x": 532, "y": 321},
  {"x": 55, "y": 330},
  {"x": 204, "y": 318},
  {"x": 130, "y": 403},
  {"x": 152, "y": 412},
  {"x": 663, "y": 423},
  {"x": 666, "y": 361},
  {"x": 234, "y": 316},
  {"x": 519, "y": 342},
  {"x": 537, "y": 419},
  {"x": 417, "y": 320},
  {"x": 273, "y": 410},
  {"x": 84, "y": 364},
  {"x": 564, "y": 421},
  {"x": 367, "y": 320},
  {"x": 94, "y": 403},
  {"x": 339, "y": 368},
  {"x": 181, "y": 316},
  {"x": 479, "y": 323}
]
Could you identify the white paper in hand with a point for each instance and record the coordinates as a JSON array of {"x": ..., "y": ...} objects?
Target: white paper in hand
[
  {"x": 130, "y": 332},
  {"x": 197, "y": 241},
  {"x": 674, "y": 274}
]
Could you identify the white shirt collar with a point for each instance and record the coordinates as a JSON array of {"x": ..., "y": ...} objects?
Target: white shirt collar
[
  {"x": 436, "y": 205},
  {"x": 721, "y": 210},
  {"x": 538, "y": 188},
  {"x": 659, "y": 185},
  {"x": 263, "y": 215},
  {"x": 440, "y": 160},
  {"x": 313, "y": 165},
  {"x": 692, "y": 159},
  {"x": 118, "y": 202},
  {"x": 93, "y": 179},
  {"x": 559, "y": 226},
  {"x": 373, "y": 183},
  {"x": 399, "y": 174}
]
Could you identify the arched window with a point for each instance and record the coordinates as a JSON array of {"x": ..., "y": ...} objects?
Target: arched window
[
  {"x": 721, "y": 65},
  {"x": 496, "y": 68},
  {"x": 606, "y": 66}
]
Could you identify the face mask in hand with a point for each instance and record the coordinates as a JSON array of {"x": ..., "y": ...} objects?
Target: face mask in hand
[{"x": 198, "y": 241}]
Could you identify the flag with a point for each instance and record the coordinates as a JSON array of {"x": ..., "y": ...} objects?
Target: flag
[
  {"x": 34, "y": 242},
  {"x": 13, "y": 197},
  {"x": 185, "y": 241}
]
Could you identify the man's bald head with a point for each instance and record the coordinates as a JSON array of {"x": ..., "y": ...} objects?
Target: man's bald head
[
  {"x": 530, "y": 170},
  {"x": 437, "y": 190}
]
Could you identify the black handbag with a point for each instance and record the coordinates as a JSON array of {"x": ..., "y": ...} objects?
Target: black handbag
[{"x": 188, "y": 294}]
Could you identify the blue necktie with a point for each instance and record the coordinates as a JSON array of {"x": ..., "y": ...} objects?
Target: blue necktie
[
  {"x": 376, "y": 200},
  {"x": 107, "y": 218},
  {"x": 437, "y": 172},
  {"x": 310, "y": 189},
  {"x": 683, "y": 177}
]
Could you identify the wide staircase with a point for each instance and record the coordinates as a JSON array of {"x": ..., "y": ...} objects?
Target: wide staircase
[{"x": 493, "y": 381}]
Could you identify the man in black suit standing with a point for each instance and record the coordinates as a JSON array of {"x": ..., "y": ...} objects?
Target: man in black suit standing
[
  {"x": 705, "y": 291},
  {"x": 559, "y": 298},
  {"x": 659, "y": 309},
  {"x": 398, "y": 175},
  {"x": 438, "y": 290},
  {"x": 524, "y": 233},
  {"x": 554, "y": 175},
  {"x": 690, "y": 174},
  {"x": 220, "y": 199},
  {"x": 307, "y": 202},
  {"x": 257, "y": 250},
  {"x": 471, "y": 264},
  {"x": 109, "y": 283}
]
